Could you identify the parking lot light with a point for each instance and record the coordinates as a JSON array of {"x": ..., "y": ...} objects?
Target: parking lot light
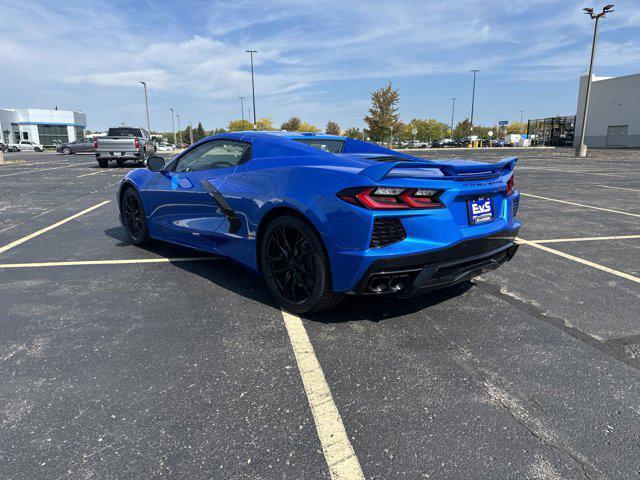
[
  {"x": 453, "y": 110},
  {"x": 146, "y": 103},
  {"x": 173, "y": 126},
  {"x": 473, "y": 94},
  {"x": 253, "y": 89},
  {"x": 581, "y": 150}
]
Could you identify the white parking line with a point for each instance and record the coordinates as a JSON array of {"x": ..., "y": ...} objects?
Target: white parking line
[
  {"x": 583, "y": 239},
  {"x": 51, "y": 227},
  {"x": 588, "y": 263},
  {"x": 338, "y": 452},
  {"x": 128, "y": 261},
  {"x": 42, "y": 170},
  {"x": 93, "y": 173},
  {"x": 619, "y": 188},
  {"x": 581, "y": 205}
]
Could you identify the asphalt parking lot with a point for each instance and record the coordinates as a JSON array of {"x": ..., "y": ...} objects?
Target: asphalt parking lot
[{"x": 121, "y": 362}]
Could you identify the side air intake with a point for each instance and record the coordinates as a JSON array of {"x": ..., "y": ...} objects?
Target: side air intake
[{"x": 386, "y": 231}]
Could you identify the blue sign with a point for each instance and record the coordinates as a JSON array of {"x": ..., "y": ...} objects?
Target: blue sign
[{"x": 503, "y": 122}]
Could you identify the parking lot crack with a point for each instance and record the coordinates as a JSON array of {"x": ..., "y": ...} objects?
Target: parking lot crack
[
  {"x": 612, "y": 349},
  {"x": 517, "y": 410}
]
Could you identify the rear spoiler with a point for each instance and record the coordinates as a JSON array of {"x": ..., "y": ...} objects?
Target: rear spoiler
[{"x": 451, "y": 170}]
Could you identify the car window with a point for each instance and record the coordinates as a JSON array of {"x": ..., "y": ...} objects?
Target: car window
[
  {"x": 328, "y": 145},
  {"x": 211, "y": 155}
]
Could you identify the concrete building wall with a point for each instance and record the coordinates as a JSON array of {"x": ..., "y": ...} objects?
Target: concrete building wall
[
  {"x": 28, "y": 124},
  {"x": 614, "y": 102}
]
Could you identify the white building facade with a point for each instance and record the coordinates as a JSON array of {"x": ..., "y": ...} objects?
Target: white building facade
[
  {"x": 614, "y": 112},
  {"x": 46, "y": 127}
]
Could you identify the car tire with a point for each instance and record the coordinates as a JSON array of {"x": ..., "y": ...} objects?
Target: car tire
[
  {"x": 120, "y": 162},
  {"x": 103, "y": 162},
  {"x": 66, "y": 151},
  {"x": 295, "y": 266},
  {"x": 134, "y": 218}
]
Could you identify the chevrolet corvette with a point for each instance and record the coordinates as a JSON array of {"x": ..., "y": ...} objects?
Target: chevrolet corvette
[{"x": 320, "y": 217}]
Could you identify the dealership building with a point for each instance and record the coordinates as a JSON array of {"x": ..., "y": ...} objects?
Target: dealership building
[
  {"x": 46, "y": 127},
  {"x": 614, "y": 112}
]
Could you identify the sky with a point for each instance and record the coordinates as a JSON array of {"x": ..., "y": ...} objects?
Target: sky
[{"x": 319, "y": 60}]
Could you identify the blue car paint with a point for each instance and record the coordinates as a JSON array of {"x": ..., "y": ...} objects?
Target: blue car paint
[{"x": 283, "y": 173}]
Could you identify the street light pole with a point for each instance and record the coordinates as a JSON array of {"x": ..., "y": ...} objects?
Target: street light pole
[
  {"x": 453, "y": 110},
  {"x": 146, "y": 103},
  {"x": 253, "y": 89},
  {"x": 581, "y": 150},
  {"x": 242, "y": 109},
  {"x": 173, "y": 126},
  {"x": 179, "y": 129},
  {"x": 521, "y": 125},
  {"x": 473, "y": 94}
]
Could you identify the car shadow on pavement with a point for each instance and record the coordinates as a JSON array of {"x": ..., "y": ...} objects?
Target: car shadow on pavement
[
  {"x": 223, "y": 272},
  {"x": 376, "y": 309},
  {"x": 237, "y": 279}
]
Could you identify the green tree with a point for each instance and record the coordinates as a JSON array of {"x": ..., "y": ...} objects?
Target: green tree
[
  {"x": 428, "y": 130},
  {"x": 265, "y": 124},
  {"x": 292, "y": 125},
  {"x": 353, "y": 132},
  {"x": 463, "y": 129},
  {"x": 517, "y": 127},
  {"x": 217, "y": 131},
  {"x": 239, "y": 125},
  {"x": 308, "y": 127},
  {"x": 383, "y": 114},
  {"x": 332, "y": 128},
  {"x": 199, "y": 133}
]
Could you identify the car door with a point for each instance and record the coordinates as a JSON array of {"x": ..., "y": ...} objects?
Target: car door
[{"x": 185, "y": 203}]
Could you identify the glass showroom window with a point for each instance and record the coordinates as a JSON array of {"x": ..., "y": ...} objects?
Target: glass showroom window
[
  {"x": 79, "y": 133},
  {"x": 53, "y": 134}
]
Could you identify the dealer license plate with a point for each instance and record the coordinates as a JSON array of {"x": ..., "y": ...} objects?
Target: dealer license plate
[{"x": 480, "y": 210}]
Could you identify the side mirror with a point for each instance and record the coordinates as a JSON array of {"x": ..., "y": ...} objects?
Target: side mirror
[{"x": 155, "y": 163}]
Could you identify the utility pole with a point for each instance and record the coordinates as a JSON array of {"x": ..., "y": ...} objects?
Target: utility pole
[
  {"x": 179, "y": 129},
  {"x": 521, "y": 125},
  {"x": 173, "y": 127},
  {"x": 146, "y": 103},
  {"x": 473, "y": 94},
  {"x": 242, "y": 109},
  {"x": 581, "y": 150},
  {"x": 190, "y": 133},
  {"x": 453, "y": 111},
  {"x": 253, "y": 89}
]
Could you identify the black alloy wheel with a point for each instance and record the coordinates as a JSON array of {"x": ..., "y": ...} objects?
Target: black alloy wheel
[
  {"x": 134, "y": 218},
  {"x": 295, "y": 266}
]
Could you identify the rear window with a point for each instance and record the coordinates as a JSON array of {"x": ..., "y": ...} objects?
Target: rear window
[
  {"x": 124, "y": 132},
  {"x": 331, "y": 146}
]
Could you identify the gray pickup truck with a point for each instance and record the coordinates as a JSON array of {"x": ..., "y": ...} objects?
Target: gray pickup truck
[{"x": 124, "y": 143}]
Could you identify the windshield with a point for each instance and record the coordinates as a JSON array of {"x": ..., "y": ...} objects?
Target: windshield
[
  {"x": 331, "y": 146},
  {"x": 124, "y": 132}
]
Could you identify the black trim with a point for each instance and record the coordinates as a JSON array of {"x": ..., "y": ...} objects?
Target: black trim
[
  {"x": 447, "y": 266},
  {"x": 234, "y": 221}
]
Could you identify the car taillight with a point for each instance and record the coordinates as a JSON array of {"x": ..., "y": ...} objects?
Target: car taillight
[
  {"x": 136, "y": 143},
  {"x": 391, "y": 198},
  {"x": 95, "y": 143},
  {"x": 511, "y": 185}
]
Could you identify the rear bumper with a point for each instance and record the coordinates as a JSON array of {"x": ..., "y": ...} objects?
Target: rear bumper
[
  {"x": 424, "y": 272},
  {"x": 119, "y": 155}
]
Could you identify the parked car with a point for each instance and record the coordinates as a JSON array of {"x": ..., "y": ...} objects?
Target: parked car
[
  {"x": 364, "y": 225},
  {"x": 165, "y": 147},
  {"x": 124, "y": 143},
  {"x": 419, "y": 144},
  {"x": 446, "y": 143},
  {"x": 4, "y": 147},
  {"x": 82, "y": 145},
  {"x": 26, "y": 145}
]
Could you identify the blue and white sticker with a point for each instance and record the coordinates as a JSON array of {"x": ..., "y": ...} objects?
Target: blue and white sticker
[{"x": 480, "y": 210}]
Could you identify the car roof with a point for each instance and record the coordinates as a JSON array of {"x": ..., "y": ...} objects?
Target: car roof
[{"x": 249, "y": 135}]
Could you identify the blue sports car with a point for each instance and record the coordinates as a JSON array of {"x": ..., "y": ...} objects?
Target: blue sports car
[{"x": 323, "y": 216}]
